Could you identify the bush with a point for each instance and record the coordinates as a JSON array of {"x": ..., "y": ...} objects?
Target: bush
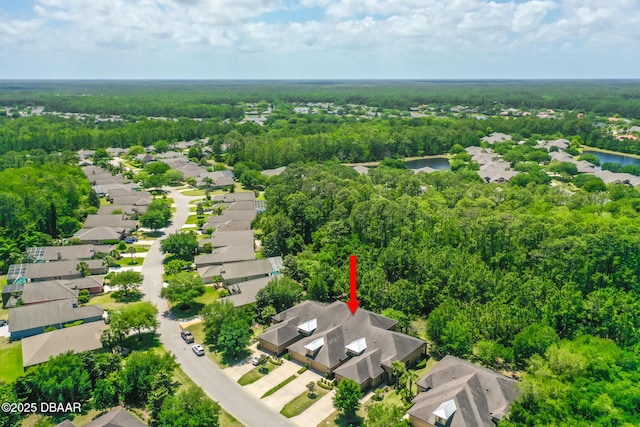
[
  {"x": 122, "y": 246},
  {"x": 287, "y": 356},
  {"x": 421, "y": 364},
  {"x": 304, "y": 368},
  {"x": 322, "y": 384},
  {"x": 83, "y": 296},
  {"x": 275, "y": 361}
]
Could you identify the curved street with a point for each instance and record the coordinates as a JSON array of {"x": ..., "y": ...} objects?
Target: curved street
[{"x": 245, "y": 407}]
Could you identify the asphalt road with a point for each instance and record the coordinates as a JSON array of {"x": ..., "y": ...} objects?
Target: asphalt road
[{"x": 246, "y": 408}]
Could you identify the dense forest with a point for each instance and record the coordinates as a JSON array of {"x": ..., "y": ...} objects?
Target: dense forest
[
  {"x": 203, "y": 98},
  {"x": 42, "y": 199}
]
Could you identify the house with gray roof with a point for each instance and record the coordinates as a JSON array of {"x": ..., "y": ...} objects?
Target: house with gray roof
[
  {"x": 234, "y": 197},
  {"x": 230, "y": 216},
  {"x": 274, "y": 172},
  {"x": 33, "y": 319},
  {"x": 330, "y": 339},
  {"x": 118, "y": 221},
  {"x": 457, "y": 393},
  {"x": 58, "y": 253},
  {"x": 242, "y": 205},
  {"x": 49, "y": 290},
  {"x": 129, "y": 210},
  {"x": 220, "y": 239},
  {"x": 362, "y": 170},
  {"x": 78, "y": 339},
  {"x": 55, "y": 270},
  {"x": 138, "y": 198},
  {"x": 235, "y": 272},
  {"x": 99, "y": 235},
  {"x": 496, "y": 137},
  {"x": 244, "y": 293},
  {"x": 225, "y": 254}
]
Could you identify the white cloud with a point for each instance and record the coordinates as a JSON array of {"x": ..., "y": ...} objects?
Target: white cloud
[{"x": 400, "y": 30}]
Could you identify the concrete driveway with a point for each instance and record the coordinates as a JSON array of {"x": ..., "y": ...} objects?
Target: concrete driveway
[
  {"x": 287, "y": 393},
  {"x": 272, "y": 379}
]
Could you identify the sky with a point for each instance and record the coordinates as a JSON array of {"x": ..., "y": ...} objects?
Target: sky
[{"x": 319, "y": 39}]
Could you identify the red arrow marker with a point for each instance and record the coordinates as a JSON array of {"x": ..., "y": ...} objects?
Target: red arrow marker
[{"x": 353, "y": 302}]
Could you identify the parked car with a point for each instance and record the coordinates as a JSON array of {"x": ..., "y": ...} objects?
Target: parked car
[
  {"x": 255, "y": 360},
  {"x": 130, "y": 239},
  {"x": 187, "y": 336},
  {"x": 3, "y": 322},
  {"x": 198, "y": 350}
]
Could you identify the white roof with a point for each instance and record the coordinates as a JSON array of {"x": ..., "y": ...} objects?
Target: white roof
[
  {"x": 357, "y": 346},
  {"x": 445, "y": 410},
  {"x": 315, "y": 344},
  {"x": 308, "y": 326}
]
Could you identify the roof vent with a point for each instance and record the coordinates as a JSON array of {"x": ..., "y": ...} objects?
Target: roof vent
[{"x": 357, "y": 347}]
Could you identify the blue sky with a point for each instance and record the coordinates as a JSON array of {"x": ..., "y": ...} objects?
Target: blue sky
[{"x": 319, "y": 39}]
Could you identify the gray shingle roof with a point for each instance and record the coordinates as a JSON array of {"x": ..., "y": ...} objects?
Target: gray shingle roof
[
  {"x": 49, "y": 313},
  {"x": 226, "y": 254},
  {"x": 53, "y": 253},
  {"x": 338, "y": 327},
  {"x": 115, "y": 221},
  {"x": 234, "y": 197},
  {"x": 480, "y": 394},
  {"x": 227, "y": 238},
  {"x": 98, "y": 234},
  {"x": 119, "y": 417},
  {"x": 244, "y": 293},
  {"x": 37, "y": 349},
  {"x": 236, "y": 270},
  {"x": 49, "y": 290}
]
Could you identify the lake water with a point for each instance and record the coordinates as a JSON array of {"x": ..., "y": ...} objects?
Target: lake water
[
  {"x": 439, "y": 163},
  {"x": 614, "y": 158}
]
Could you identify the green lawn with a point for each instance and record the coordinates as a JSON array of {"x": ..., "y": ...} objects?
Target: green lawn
[
  {"x": 126, "y": 261},
  {"x": 210, "y": 295},
  {"x": 106, "y": 301},
  {"x": 140, "y": 249},
  {"x": 193, "y": 219},
  {"x": 193, "y": 192},
  {"x": 10, "y": 360},
  {"x": 279, "y": 386},
  {"x": 302, "y": 403},
  {"x": 256, "y": 373}
]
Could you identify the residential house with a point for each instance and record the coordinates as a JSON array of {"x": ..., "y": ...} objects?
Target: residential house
[
  {"x": 362, "y": 170},
  {"x": 138, "y": 198},
  {"x": 78, "y": 339},
  {"x": 220, "y": 239},
  {"x": 34, "y": 319},
  {"x": 118, "y": 221},
  {"x": 55, "y": 270},
  {"x": 330, "y": 339},
  {"x": 234, "y": 197},
  {"x": 457, "y": 393},
  {"x": 49, "y": 290},
  {"x": 58, "y": 253},
  {"x": 229, "y": 226},
  {"x": 99, "y": 235},
  {"x": 235, "y": 272},
  {"x": 496, "y": 137},
  {"x": 225, "y": 254},
  {"x": 274, "y": 172},
  {"x": 244, "y": 293},
  {"x": 230, "y": 215},
  {"x": 129, "y": 210}
]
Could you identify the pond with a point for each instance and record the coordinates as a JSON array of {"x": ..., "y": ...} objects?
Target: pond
[
  {"x": 439, "y": 163},
  {"x": 614, "y": 158}
]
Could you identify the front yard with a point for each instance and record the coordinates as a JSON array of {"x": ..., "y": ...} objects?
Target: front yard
[{"x": 10, "y": 360}]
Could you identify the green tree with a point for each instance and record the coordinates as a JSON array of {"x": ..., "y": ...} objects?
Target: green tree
[
  {"x": 175, "y": 266},
  {"x": 105, "y": 393},
  {"x": 182, "y": 244},
  {"x": 183, "y": 288},
  {"x": 214, "y": 315},
  {"x": 188, "y": 408},
  {"x": 280, "y": 294},
  {"x": 533, "y": 339},
  {"x": 127, "y": 281},
  {"x": 234, "y": 338},
  {"x": 386, "y": 415},
  {"x": 154, "y": 220},
  {"x": 83, "y": 269},
  {"x": 138, "y": 375},
  {"x": 347, "y": 398}
]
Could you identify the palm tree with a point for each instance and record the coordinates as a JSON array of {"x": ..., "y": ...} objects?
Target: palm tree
[{"x": 132, "y": 251}]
